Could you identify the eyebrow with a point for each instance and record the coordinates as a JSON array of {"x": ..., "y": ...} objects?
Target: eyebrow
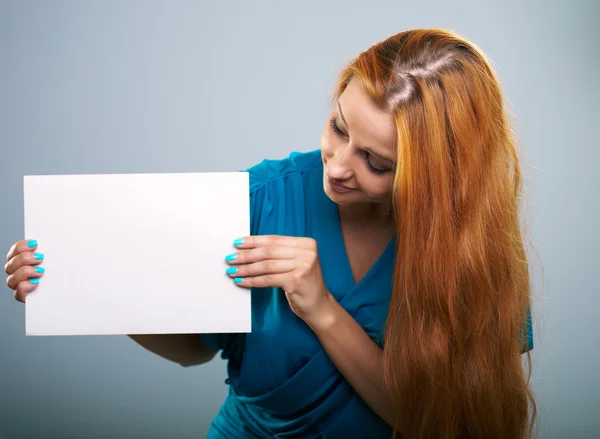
[{"x": 366, "y": 148}]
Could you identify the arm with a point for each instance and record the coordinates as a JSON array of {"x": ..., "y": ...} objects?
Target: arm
[
  {"x": 184, "y": 349},
  {"x": 355, "y": 355},
  {"x": 292, "y": 264}
]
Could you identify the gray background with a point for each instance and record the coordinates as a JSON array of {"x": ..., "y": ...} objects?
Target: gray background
[{"x": 109, "y": 87}]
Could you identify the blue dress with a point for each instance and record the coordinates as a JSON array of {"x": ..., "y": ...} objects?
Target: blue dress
[{"x": 282, "y": 383}]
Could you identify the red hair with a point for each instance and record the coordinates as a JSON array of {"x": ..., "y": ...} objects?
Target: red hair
[{"x": 453, "y": 337}]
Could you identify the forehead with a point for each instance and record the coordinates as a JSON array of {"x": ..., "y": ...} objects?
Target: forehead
[{"x": 369, "y": 124}]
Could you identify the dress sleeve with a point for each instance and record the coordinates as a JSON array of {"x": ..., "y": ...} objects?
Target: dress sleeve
[
  {"x": 231, "y": 343},
  {"x": 527, "y": 344}
]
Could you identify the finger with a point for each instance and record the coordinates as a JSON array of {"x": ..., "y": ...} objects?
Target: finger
[
  {"x": 25, "y": 273},
  {"x": 23, "y": 289},
  {"x": 20, "y": 247},
  {"x": 274, "y": 241},
  {"x": 262, "y": 254},
  {"x": 23, "y": 259},
  {"x": 268, "y": 280},
  {"x": 270, "y": 266}
]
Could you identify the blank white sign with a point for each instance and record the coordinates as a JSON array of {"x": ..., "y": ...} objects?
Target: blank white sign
[{"x": 136, "y": 253}]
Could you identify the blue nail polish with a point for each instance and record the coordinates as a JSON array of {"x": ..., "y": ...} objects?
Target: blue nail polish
[
  {"x": 232, "y": 270},
  {"x": 238, "y": 279},
  {"x": 238, "y": 241},
  {"x": 40, "y": 269},
  {"x": 38, "y": 256},
  {"x": 231, "y": 257},
  {"x": 32, "y": 243},
  {"x": 35, "y": 281}
]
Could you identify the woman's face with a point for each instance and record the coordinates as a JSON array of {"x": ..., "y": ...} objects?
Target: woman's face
[{"x": 358, "y": 148}]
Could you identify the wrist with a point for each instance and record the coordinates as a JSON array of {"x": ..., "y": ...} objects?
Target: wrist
[{"x": 326, "y": 316}]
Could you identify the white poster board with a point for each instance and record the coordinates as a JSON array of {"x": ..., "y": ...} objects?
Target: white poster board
[{"x": 136, "y": 253}]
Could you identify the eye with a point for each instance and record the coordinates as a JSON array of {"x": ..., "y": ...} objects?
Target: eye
[
  {"x": 335, "y": 128},
  {"x": 373, "y": 167}
]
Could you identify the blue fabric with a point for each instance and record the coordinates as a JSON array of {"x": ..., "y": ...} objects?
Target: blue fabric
[
  {"x": 529, "y": 333},
  {"x": 282, "y": 383}
]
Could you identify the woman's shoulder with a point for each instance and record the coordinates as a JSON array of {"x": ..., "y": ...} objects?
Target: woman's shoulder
[{"x": 271, "y": 170}]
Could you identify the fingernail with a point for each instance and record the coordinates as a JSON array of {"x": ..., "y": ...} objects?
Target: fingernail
[
  {"x": 32, "y": 243},
  {"x": 238, "y": 279},
  {"x": 40, "y": 269},
  {"x": 238, "y": 241},
  {"x": 232, "y": 270},
  {"x": 38, "y": 256},
  {"x": 35, "y": 281},
  {"x": 231, "y": 257}
]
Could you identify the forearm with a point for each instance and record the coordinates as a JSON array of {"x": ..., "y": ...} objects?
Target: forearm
[
  {"x": 184, "y": 349},
  {"x": 355, "y": 355}
]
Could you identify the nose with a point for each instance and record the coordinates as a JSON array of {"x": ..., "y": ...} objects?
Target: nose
[{"x": 340, "y": 164}]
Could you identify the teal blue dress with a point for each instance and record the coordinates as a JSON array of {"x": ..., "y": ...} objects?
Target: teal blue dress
[{"x": 281, "y": 381}]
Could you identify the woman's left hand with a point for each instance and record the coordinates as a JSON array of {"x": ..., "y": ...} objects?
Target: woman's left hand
[{"x": 286, "y": 262}]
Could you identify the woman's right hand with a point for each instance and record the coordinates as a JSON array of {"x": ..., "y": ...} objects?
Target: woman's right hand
[{"x": 23, "y": 268}]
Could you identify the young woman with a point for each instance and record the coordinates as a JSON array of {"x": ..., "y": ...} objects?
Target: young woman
[{"x": 390, "y": 286}]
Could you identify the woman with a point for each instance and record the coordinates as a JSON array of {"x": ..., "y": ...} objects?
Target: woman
[{"x": 390, "y": 286}]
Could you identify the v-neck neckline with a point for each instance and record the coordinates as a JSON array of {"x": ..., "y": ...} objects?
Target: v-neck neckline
[{"x": 345, "y": 264}]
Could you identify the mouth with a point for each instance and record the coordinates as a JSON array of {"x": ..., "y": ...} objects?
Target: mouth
[{"x": 338, "y": 187}]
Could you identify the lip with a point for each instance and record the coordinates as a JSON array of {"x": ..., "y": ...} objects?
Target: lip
[{"x": 338, "y": 187}]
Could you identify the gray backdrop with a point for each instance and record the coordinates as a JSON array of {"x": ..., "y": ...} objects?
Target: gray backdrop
[{"x": 157, "y": 86}]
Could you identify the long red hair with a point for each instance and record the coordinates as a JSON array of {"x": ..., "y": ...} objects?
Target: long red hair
[{"x": 457, "y": 319}]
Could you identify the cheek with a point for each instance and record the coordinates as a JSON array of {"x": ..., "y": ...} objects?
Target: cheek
[
  {"x": 326, "y": 141},
  {"x": 376, "y": 187}
]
